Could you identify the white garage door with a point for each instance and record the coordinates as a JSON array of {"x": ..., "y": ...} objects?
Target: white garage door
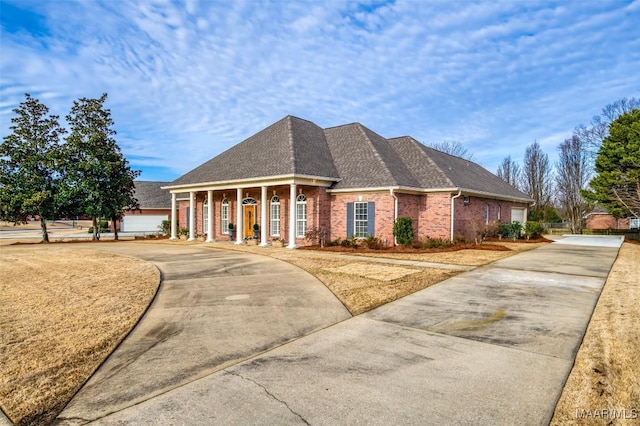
[
  {"x": 142, "y": 223},
  {"x": 517, "y": 214}
]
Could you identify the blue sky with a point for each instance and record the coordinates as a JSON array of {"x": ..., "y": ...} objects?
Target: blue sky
[{"x": 188, "y": 80}]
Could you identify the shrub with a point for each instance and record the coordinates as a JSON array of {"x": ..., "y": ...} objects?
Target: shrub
[
  {"x": 166, "y": 227},
  {"x": 515, "y": 228},
  {"x": 403, "y": 230},
  {"x": 183, "y": 231},
  {"x": 533, "y": 230},
  {"x": 103, "y": 225},
  {"x": 504, "y": 229},
  {"x": 317, "y": 236},
  {"x": 335, "y": 242},
  {"x": 435, "y": 243},
  {"x": 352, "y": 242},
  {"x": 373, "y": 243}
]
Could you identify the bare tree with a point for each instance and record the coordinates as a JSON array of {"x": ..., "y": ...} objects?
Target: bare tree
[
  {"x": 573, "y": 173},
  {"x": 454, "y": 148},
  {"x": 594, "y": 134},
  {"x": 537, "y": 181},
  {"x": 509, "y": 171}
]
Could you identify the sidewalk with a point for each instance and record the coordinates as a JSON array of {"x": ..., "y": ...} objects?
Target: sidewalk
[{"x": 492, "y": 346}]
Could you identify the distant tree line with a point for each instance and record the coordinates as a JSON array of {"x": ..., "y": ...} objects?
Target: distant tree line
[
  {"x": 599, "y": 165},
  {"x": 83, "y": 174}
]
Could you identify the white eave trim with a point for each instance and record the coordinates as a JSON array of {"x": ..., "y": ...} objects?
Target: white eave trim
[
  {"x": 254, "y": 182},
  {"x": 412, "y": 190}
]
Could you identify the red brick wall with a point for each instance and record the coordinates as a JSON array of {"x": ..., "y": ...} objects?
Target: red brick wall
[
  {"x": 466, "y": 214},
  {"x": 435, "y": 216},
  {"x": 385, "y": 206},
  {"x": 605, "y": 221}
]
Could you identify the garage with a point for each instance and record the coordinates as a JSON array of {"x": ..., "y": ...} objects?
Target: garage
[{"x": 142, "y": 223}]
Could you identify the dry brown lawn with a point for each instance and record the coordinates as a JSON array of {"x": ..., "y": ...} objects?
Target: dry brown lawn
[
  {"x": 606, "y": 373},
  {"x": 62, "y": 311}
]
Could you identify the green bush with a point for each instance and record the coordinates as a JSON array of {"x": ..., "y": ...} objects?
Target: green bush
[
  {"x": 533, "y": 230},
  {"x": 515, "y": 228},
  {"x": 103, "y": 225},
  {"x": 352, "y": 242},
  {"x": 403, "y": 230},
  {"x": 336, "y": 242},
  {"x": 504, "y": 229},
  {"x": 166, "y": 227}
]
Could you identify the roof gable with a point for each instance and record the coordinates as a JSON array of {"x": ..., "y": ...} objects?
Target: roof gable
[{"x": 289, "y": 146}]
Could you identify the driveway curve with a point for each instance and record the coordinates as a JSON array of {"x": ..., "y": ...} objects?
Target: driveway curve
[{"x": 214, "y": 309}]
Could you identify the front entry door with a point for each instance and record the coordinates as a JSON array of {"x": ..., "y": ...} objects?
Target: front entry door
[{"x": 249, "y": 220}]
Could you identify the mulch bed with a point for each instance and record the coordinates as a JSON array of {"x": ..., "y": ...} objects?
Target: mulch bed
[{"x": 403, "y": 249}]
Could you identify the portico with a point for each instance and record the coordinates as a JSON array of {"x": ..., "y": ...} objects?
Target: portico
[{"x": 279, "y": 206}]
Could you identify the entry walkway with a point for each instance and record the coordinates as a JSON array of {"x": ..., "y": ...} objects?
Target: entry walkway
[{"x": 491, "y": 346}]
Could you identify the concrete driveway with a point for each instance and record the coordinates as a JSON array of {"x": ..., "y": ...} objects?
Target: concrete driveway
[
  {"x": 213, "y": 309},
  {"x": 491, "y": 346}
]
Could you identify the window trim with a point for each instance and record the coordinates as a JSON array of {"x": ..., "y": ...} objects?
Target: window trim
[
  {"x": 301, "y": 207},
  {"x": 275, "y": 222},
  {"x": 224, "y": 216},
  {"x": 358, "y": 223},
  {"x": 205, "y": 216}
]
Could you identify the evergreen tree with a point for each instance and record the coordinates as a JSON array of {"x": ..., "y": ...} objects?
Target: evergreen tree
[
  {"x": 29, "y": 164},
  {"x": 617, "y": 184}
]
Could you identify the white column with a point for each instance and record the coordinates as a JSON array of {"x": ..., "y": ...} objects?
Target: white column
[
  {"x": 239, "y": 218},
  {"x": 263, "y": 216},
  {"x": 292, "y": 216},
  {"x": 210, "y": 216},
  {"x": 174, "y": 225},
  {"x": 192, "y": 216}
]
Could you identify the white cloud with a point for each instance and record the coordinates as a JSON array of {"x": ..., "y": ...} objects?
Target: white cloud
[{"x": 189, "y": 81}]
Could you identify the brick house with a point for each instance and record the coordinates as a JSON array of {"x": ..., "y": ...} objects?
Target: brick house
[
  {"x": 294, "y": 176},
  {"x": 600, "y": 218}
]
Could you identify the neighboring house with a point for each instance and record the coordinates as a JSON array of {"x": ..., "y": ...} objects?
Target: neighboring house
[
  {"x": 155, "y": 206},
  {"x": 294, "y": 176},
  {"x": 600, "y": 218}
]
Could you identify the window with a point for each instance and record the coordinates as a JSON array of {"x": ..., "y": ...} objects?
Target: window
[
  {"x": 301, "y": 216},
  {"x": 499, "y": 212},
  {"x": 486, "y": 214},
  {"x": 361, "y": 224},
  {"x": 361, "y": 217},
  {"x": 224, "y": 216},
  {"x": 275, "y": 216},
  {"x": 205, "y": 216},
  {"x": 634, "y": 223}
]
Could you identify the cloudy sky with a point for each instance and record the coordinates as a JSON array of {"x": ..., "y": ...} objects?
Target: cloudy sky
[{"x": 188, "y": 80}]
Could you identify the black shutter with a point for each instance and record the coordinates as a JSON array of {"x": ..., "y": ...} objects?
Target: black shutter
[
  {"x": 371, "y": 219},
  {"x": 349, "y": 220},
  {"x": 188, "y": 216}
]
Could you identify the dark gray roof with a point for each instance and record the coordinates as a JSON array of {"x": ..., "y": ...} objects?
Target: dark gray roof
[
  {"x": 289, "y": 146},
  {"x": 149, "y": 194},
  {"x": 436, "y": 169},
  {"x": 352, "y": 155}
]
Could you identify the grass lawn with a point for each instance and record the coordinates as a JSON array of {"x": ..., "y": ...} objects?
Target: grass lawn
[
  {"x": 62, "y": 311},
  {"x": 606, "y": 373}
]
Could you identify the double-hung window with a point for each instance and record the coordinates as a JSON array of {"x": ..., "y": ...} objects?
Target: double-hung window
[
  {"x": 275, "y": 216},
  {"x": 361, "y": 224},
  {"x": 301, "y": 216},
  {"x": 361, "y": 219},
  {"x": 224, "y": 216},
  {"x": 205, "y": 216}
]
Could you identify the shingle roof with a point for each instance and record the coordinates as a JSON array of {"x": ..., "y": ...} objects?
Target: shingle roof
[
  {"x": 352, "y": 155},
  {"x": 289, "y": 146},
  {"x": 149, "y": 194}
]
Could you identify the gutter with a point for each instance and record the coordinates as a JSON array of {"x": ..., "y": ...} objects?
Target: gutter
[
  {"x": 395, "y": 212},
  {"x": 453, "y": 211}
]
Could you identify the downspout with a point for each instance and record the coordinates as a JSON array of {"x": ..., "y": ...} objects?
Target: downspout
[
  {"x": 453, "y": 211},
  {"x": 395, "y": 212}
]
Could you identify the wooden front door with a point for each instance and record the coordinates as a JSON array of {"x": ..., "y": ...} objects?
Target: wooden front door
[{"x": 249, "y": 220}]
